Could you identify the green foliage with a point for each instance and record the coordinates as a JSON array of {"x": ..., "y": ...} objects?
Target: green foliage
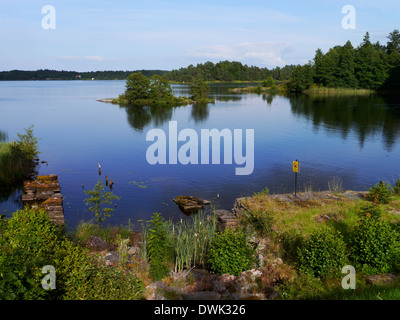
[
  {"x": 263, "y": 192},
  {"x": 375, "y": 246},
  {"x": 158, "y": 247},
  {"x": 302, "y": 78},
  {"x": 192, "y": 238},
  {"x": 137, "y": 87},
  {"x": 104, "y": 283},
  {"x": 304, "y": 287},
  {"x": 227, "y": 71},
  {"x": 16, "y": 158},
  {"x": 231, "y": 253},
  {"x": 396, "y": 188},
  {"x": 199, "y": 91},
  {"x": 380, "y": 193},
  {"x": 323, "y": 253},
  {"x": 369, "y": 211},
  {"x": 99, "y": 198},
  {"x": 260, "y": 221},
  {"x": 290, "y": 242},
  {"x": 269, "y": 82},
  {"x": 30, "y": 241}
]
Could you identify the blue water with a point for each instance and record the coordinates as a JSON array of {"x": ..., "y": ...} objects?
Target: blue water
[{"x": 356, "y": 139}]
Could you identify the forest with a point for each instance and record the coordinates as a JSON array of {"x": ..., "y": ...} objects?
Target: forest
[
  {"x": 46, "y": 74},
  {"x": 367, "y": 66}
]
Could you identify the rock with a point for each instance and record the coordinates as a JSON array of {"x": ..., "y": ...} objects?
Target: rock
[
  {"x": 190, "y": 204},
  {"x": 156, "y": 291},
  {"x": 96, "y": 243},
  {"x": 218, "y": 286},
  {"x": 112, "y": 258},
  {"x": 260, "y": 260},
  {"x": 202, "y": 295},
  {"x": 252, "y": 274},
  {"x": 226, "y": 219},
  {"x": 133, "y": 250},
  {"x": 382, "y": 279}
]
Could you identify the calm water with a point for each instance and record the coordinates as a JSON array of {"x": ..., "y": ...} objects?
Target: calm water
[{"x": 354, "y": 138}]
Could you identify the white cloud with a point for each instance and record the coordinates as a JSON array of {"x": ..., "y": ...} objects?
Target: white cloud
[
  {"x": 85, "y": 58},
  {"x": 269, "y": 53}
]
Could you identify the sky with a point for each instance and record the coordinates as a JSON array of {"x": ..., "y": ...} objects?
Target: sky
[{"x": 92, "y": 35}]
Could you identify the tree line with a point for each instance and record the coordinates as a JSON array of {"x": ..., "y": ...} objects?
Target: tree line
[
  {"x": 368, "y": 66},
  {"x": 46, "y": 74},
  {"x": 221, "y": 71},
  {"x": 227, "y": 71}
]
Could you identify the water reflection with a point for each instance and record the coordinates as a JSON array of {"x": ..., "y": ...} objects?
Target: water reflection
[
  {"x": 365, "y": 115},
  {"x": 140, "y": 117}
]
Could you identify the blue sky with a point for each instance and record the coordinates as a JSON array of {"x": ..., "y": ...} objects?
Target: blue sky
[{"x": 131, "y": 35}]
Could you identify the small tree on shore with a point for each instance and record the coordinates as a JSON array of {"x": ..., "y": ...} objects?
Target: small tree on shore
[
  {"x": 99, "y": 198},
  {"x": 199, "y": 90}
]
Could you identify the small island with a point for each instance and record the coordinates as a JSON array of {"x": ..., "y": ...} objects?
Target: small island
[{"x": 141, "y": 90}]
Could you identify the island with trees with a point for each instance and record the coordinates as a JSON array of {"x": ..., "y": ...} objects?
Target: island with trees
[{"x": 141, "y": 90}]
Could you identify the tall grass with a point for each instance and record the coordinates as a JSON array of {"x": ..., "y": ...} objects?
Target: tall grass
[
  {"x": 192, "y": 238},
  {"x": 16, "y": 158}
]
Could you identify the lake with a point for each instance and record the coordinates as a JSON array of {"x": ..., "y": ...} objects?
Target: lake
[{"x": 356, "y": 138}]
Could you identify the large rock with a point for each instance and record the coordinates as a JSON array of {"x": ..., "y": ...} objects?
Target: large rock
[
  {"x": 202, "y": 295},
  {"x": 96, "y": 243},
  {"x": 190, "y": 204},
  {"x": 382, "y": 279}
]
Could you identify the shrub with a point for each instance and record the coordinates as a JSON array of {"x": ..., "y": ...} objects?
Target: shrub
[
  {"x": 290, "y": 242},
  {"x": 104, "y": 283},
  {"x": 260, "y": 221},
  {"x": 380, "y": 193},
  {"x": 396, "y": 188},
  {"x": 231, "y": 253},
  {"x": 158, "y": 247},
  {"x": 304, "y": 287},
  {"x": 369, "y": 210},
  {"x": 375, "y": 246},
  {"x": 30, "y": 241},
  {"x": 263, "y": 192},
  {"x": 323, "y": 253}
]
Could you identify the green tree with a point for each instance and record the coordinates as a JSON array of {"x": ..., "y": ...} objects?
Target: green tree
[
  {"x": 159, "y": 88},
  {"x": 99, "y": 198},
  {"x": 137, "y": 87},
  {"x": 302, "y": 78},
  {"x": 199, "y": 90},
  {"x": 393, "y": 45}
]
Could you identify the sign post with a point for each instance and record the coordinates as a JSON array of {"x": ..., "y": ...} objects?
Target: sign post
[{"x": 296, "y": 167}]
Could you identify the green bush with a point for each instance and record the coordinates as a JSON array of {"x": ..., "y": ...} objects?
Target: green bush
[
  {"x": 231, "y": 253},
  {"x": 323, "y": 253},
  {"x": 380, "y": 193},
  {"x": 369, "y": 210},
  {"x": 290, "y": 242},
  {"x": 304, "y": 287},
  {"x": 158, "y": 247},
  {"x": 104, "y": 283},
  {"x": 260, "y": 221},
  {"x": 30, "y": 240},
  {"x": 375, "y": 246},
  {"x": 396, "y": 188}
]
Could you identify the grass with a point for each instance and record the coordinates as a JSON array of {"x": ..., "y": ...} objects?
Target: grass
[
  {"x": 308, "y": 215},
  {"x": 338, "y": 91}
]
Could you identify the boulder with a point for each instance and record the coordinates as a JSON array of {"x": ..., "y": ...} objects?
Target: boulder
[
  {"x": 202, "y": 295},
  {"x": 190, "y": 204},
  {"x": 382, "y": 279},
  {"x": 96, "y": 243}
]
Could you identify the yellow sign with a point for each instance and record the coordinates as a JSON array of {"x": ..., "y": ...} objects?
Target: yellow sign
[{"x": 295, "y": 166}]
